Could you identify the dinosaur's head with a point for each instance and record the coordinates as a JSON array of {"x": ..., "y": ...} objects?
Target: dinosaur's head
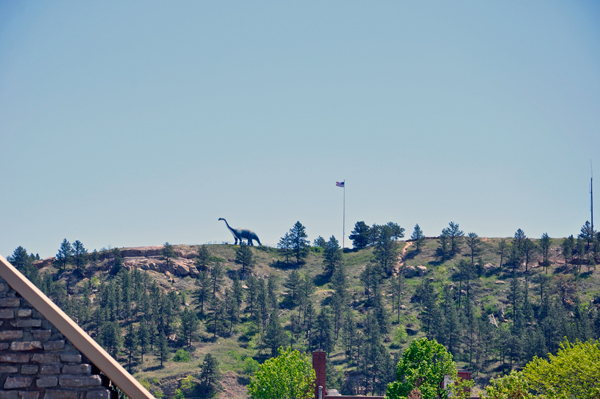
[{"x": 221, "y": 219}]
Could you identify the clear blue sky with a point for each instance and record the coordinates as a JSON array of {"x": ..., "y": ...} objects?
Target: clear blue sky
[{"x": 135, "y": 123}]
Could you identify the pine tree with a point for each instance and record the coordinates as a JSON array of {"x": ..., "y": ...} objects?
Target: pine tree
[
  {"x": 274, "y": 336},
  {"x": 272, "y": 288},
  {"x": 285, "y": 247},
  {"x": 502, "y": 250},
  {"x": 203, "y": 291},
  {"x": 80, "y": 256},
  {"x": 386, "y": 250},
  {"x": 299, "y": 242},
  {"x": 64, "y": 255},
  {"x": 332, "y": 256},
  {"x": 216, "y": 277},
  {"x": 210, "y": 376},
  {"x": 397, "y": 288},
  {"x": 163, "y": 349},
  {"x": 292, "y": 283},
  {"x": 418, "y": 237},
  {"x": 474, "y": 243},
  {"x": 111, "y": 338},
  {"x": 323, "y": 337},
  {"x": 189, "y": 325},
  {"x": 237, "y": 292},
  {"x": 232, "y": 309},
  {"x": 203, "y": 259},
  {"x": 144, "y": 339},
  {"x": 216, "y": 314},
  {"x": 243, "y": 256},
  {"x": 168, "y": 253},
  {"x": 131, "y": 343}
]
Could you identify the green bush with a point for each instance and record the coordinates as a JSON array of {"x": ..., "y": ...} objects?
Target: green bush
[
  {"x": 250, "y": 366},
  {"x": 182, "y": 356},
  {"x": 400, "y": 337}
]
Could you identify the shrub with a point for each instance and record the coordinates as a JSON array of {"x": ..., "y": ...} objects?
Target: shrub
[{"x": 182, "y": 356}]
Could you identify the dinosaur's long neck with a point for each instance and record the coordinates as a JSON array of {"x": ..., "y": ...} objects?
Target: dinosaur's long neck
[{"x": 229, "y": 227}]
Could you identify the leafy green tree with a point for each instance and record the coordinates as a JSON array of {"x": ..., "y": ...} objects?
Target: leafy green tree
[
  {"x": 511, "y": 386},
  {"x": 168, "y": 253},
  {"x": 64, "y": 255},
  {"x": 243, "y": 256},
  {"x": 287, "y": 376},
  {"x": 332, "y": 256},
  {"x": 299, "y": 242},
  {"x": 210, "y": 377},
  {"x": 572, "y": 372},
  {"x": 424, "y": 365},
  {"x": 360, "y": 235},
  {"x": 418, "y": 237}
]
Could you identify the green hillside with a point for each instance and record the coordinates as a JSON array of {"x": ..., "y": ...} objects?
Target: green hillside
[{"x": 491, "y": 318}]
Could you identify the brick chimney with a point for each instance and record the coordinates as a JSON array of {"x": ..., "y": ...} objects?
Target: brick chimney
[{"x": 319, "y": 364}]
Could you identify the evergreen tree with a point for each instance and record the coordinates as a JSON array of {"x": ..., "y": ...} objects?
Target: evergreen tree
[
  {"x": 332, "y": 256},
  {"x": 272, "y": 288},
  {"x": 232, "y": 309},
  {"x": 216, "y": 277},
  {"x": 216, "y": 309},
  {"x": 474, "y": 243},
  {"x": 397, "y": 288},
  {"x": 292, "y": 283},
  {"x": 529, "y": 250},
  {"x": 163, "y": 349},
  {"x": 418, "y": 237},
  {"x": 210, "y": 376},
  {"x": 243, "y": 256},
  {"x": 64, "y": 255},
  {"x": 320, "y": 242},
  {"x": 237, "y": 292},
  {"x": 189, "y": 325},
  {"x": 285, "y": 247},
  {"x": 386, "y": 250},
  {"x": 144, "y": 339},
  {"x": 111, "y": 338},
  {"x": 168, "y": 253},
  {"x": 203, "y": 259},
  {"x": 80, "y": 256},
  {"x": 360, "y": 235},
  {"x": 299, "y": 242},
  {"x": 24, "y": 263},
  {"x": 502, "y": 250},
  {"x": 131, "y": 343},
  {"x": 545, "y": 244},
  {"x": 323, "y": 337},
  {"x": 203, "y": 291},
  {"x": 275, "y": 334}
]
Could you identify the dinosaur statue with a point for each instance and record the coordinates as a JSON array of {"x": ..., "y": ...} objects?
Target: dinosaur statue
[{"x": 238, "y": 234}]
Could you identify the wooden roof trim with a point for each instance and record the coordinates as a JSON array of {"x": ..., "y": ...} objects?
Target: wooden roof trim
[{"x": 82, "y": 341}]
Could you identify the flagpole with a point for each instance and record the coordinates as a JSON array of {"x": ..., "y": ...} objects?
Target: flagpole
[{"x": 344, "y": 222}]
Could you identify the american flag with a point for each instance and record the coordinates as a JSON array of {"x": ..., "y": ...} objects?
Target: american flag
[{"x": 340, "y": 183}]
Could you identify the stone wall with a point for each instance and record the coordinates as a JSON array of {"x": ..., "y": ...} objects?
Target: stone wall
[{"x": 36, "y": 361}]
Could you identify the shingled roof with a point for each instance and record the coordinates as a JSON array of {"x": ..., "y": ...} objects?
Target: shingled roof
[{"x": 75, "y": 334}]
